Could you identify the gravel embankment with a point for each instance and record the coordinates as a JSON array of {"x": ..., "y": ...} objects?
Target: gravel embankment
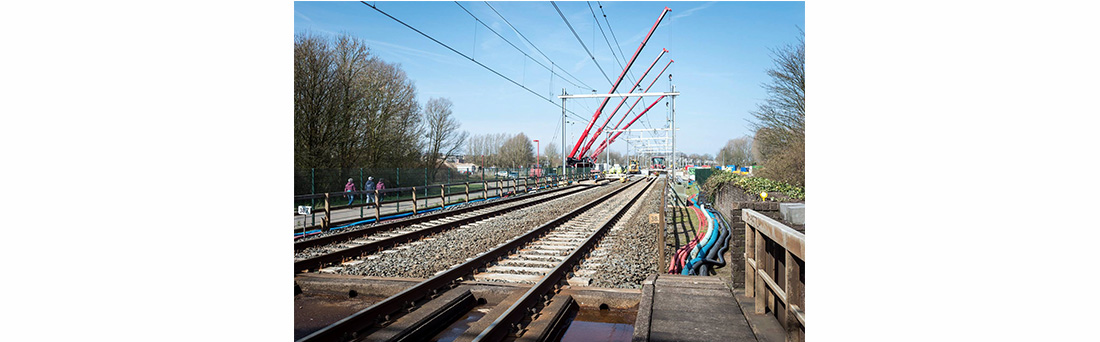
[{"x": 424, "y": 258}]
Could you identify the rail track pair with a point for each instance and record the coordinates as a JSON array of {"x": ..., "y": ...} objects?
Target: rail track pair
[{"x": 564, "y": 241}]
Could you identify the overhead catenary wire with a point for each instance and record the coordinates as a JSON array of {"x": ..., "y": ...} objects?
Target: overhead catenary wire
[
  {"x": 617, "y": 45},
  {"x": 630, "y": 76},
  {"x": 514, "y": 45},
  {"x": 612, "y": 30},
  {"x": 471, "y": 59},
  {"x": 520, "y": 34},
  {"x": 609, "y": 81}
]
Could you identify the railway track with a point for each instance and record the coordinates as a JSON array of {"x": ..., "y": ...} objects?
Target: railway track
[
  {"x": 354, "y": 232},
  {"x": 338, "y": 248},
  {"x": 543, "y": 257}
]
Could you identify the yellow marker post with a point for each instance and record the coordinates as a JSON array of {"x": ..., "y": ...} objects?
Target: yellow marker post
[{"x": 764, "y": 195}]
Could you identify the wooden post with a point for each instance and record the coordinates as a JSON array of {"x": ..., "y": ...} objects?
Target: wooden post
[
  {"x": 750, "y": 254},
  {"x": 791, "y": 288},
  {"x": 761, "y": 265},
  {"x": 328, "y": 216},
  {"x": 661, "y": 228},
  {"x": 377, "y": 206},
  {"x": 484, "y": 189},
  {"x": 467, "y": 192},
  {"x": 414, "y": 200},
  {"x": 442, "y": 196}
]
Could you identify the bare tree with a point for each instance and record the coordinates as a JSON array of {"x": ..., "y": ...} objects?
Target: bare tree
[
  {"x": 350, "y": 108},
  {"x": 781, "y": 120},
  {"x": 736, "y": 152},
  {"x": 443, "y": 137},
  {"x": 553, "y": 154},
  {"x": 517, "y": 151}
]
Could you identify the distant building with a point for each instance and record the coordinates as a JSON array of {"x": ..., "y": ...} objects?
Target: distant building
[{"x": 465, "y": 167}]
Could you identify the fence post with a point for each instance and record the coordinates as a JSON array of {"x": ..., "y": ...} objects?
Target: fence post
[
  {"x": 328, "y": 216},
  {"x": 364, "y": 194},
  {"x": 467, "y": 192},
  {"x": 377, "y": 206},
  {"x": 662, "y": 227},
  {"x": 750, "y": 254},
  {"x": 312, "y": 204},
  {"x": 761, "y": 265},
  {"x": 442, "y": 196},
  {"x": 790, "y": 287},
  {"x": 484, "y": 189},
  {"x": 414, "y": 200}
]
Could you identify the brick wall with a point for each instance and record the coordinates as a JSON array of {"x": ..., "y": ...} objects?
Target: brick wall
[{"x": 730, "y": 201}]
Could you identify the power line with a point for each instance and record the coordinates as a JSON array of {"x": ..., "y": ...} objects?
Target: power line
[
  {"x": 610, "y": 29},
  {"x": 514, "y": 45},
  {"x": 534, "y": 46},
  {"x": 471, "y": 59},
  {"x": 617, "y": 45},
  {"x": 582, "y": 43},
  {"x": 613, "y": 56}
]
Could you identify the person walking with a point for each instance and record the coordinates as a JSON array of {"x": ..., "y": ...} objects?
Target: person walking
[
  {"x": 349, "y": 188},
  {"x": 369, "y": 186},
  {"x": 380, "y": 186}
]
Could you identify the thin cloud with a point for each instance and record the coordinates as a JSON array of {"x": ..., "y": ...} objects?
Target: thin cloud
[
  {"x": 303, "y": 16},
  {"x": 693, "y": 10},
  {"x": 411, "y": 51}
]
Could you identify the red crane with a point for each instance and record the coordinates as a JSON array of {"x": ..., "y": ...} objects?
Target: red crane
[
  {"x": 614, "y": 86},
  {"x": 600, "y": 130},
  {"x": 602, "y": 147},
  {"x": 596, "y": 153}
]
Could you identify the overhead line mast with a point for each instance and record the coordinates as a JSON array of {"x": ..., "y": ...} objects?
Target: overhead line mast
[
  {"x": 612, "y": 140},
  {"x": 609, "y": 117},
  {"x": 614, "y": 86},
  {"x": 636, "y": 102}
]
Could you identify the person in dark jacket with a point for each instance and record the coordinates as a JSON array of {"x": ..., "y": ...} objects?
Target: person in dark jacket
[{"x": 369, "y": 186}]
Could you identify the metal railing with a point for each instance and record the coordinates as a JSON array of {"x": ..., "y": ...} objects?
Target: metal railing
[
  {"x": 487, "y": 189},
  {"x": 775, "y": 271}
]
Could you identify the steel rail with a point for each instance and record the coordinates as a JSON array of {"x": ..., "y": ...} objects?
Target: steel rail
[
  {"x": 355, "y": 234},
  {"x": 541, "y": 291},
  {"x": 378, "y": 245},
  {"x": 348, "y": 327}
]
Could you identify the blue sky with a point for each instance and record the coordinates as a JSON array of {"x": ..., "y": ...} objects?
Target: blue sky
[{"x": 721, "y": 52}]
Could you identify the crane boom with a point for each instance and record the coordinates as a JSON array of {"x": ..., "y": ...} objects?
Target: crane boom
[
  {"x": 646, "y": 91},
  {"x": 615, "y": 85},
  {"x": 609, "y": 117},
  {"x": 600, "y": 149}
]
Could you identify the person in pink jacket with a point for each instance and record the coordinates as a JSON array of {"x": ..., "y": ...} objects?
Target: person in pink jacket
[
  {"x": 349, "y": 188},
  {"x": 380, "y": 186}
]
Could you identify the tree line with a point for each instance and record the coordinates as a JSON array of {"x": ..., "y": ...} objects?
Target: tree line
[{"x": 352, "y": 109}]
